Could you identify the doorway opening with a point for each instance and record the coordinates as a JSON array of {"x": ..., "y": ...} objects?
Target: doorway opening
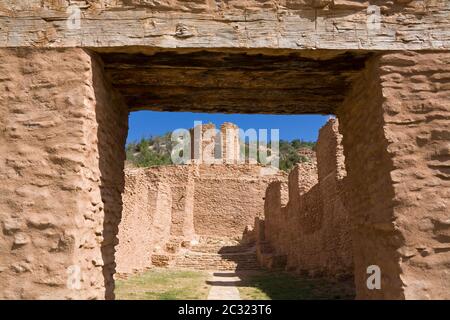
[
  {"x": 217, "y": 218},
  {"x": 255, "y": 82}
]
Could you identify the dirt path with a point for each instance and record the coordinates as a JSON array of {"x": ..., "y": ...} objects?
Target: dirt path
[{"x": 223, "y": 286}]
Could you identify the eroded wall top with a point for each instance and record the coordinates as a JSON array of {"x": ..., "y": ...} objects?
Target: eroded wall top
[{"x": 290, "y": 24}]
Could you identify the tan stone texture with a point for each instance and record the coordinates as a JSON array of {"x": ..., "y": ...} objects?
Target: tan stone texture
[
  {"x": 60, "y": 165},
  {"x": 169, "y": 205},
  {"x": 310, "y": 234},
  {"x": 399, "y": 186},
  {"x": 227, "y": 198},
  {"x": 294, "y": 24},
  {"x": 146, "y": 222},
  {"x": 63, "y": 122},
  {"x": 180, "y": 180}
]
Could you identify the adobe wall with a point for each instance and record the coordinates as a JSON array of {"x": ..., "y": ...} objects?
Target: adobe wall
[
  {"x": 204, "y": 138},
  {"x": 146, "y": 222},
  {"x": 310, "y": 233},
  {"x": 227, "y": 198},
  {"x": 190, "y": 201},
  {"x": 180, "y": 180},
  {"x": 61, "y": 159},
  {"x": 399, "y": 186}
]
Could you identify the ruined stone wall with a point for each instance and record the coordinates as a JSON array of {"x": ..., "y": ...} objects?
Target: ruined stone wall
[
  {"x": 61, "y": 152},
  {"x": 311, "y": 233},
  {"x": 165, "y": 206},
  {"x": 399, "y": 186},
  {"x": 111, "y": 116},
  {"x": 180, "y": 180},
  {"x": 146, "y": 221},
  {"x": 230, "y": 143},
  {"x": 204, "y": 139},
  {"x": 228, "y": 198},
  {"x": 157, "y": 215}
]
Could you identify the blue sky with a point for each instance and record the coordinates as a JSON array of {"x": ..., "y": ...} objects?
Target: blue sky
[{"x": 143, "y": 124}]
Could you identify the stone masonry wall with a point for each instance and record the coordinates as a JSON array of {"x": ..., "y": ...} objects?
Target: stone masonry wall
[
  {"x": 202, "y": 200},
  {"x": 180, "y": 180},
  {"x": 399, "y": 186},
  {"x": 57, "y": 222},
  {"x": 111, "y": 116},
  {"x": 311, "y": 233},
  {"x": 227, "y": 198},
  {"x": 158, "y": 209},
  {"x": 146, "y": 222}
]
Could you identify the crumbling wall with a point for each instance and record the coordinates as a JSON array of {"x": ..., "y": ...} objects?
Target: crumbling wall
[
  {"x": 157, "y": 215},
  {"x": 230, "y": 143},
  {"x": 228, "y": 198},
  {"x": 396, "y": 127},
  {"x": 204, "y": 140},
  {"x": 311, "y": 233},
  {"x": 180, "y": 179},
  {"x": 146, "y": 221},
  {"x": 61, "y": 153},
  {"x": 201, "y": 200}
]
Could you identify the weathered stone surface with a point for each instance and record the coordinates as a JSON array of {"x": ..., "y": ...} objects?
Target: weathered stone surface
[
  {"x": 310, "y": 234},
  {"x": 229, "y": 197},
  {"x": 60, "y": 189},
  {"x": 247, "y": 81},
  {"x": 170, "y": 205},
  {"x": 294, "y": 24},
  {"x": 399, "y": 185},
  {"x": 64, "y": 126},
  {"x": 146, "y": 222}
]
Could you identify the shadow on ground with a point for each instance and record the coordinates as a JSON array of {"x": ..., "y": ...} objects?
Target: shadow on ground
[{"x": 255, "y": 285}]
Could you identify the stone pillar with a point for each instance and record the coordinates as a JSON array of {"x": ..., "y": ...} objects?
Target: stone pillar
[
  {"x": 302, "y": 177},
  {"x": 396, "y": 136},
  {"x": 333, "y": 217},
  {"x": 329, "y": 150},
  {"x": 230, "y": 143},
  {"x": 146, "y": 221},
  {"x": 61, "y": 160},
  {"x": 203, "y": 143}
]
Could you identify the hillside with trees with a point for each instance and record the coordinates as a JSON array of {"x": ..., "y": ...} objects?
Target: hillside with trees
[{"x": 155, "y": 151}]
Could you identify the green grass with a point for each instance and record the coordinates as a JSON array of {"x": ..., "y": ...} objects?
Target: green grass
[
  {"x": 170, "y": 284},
  {"x": 163, "y": 284},
  {"x": 283, "y": 286}
]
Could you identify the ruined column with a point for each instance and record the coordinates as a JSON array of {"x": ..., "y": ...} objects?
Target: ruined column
[
  {"x": 230, "y": 143},
  {"x": 396, "y": 128},
  {"x": 203, "y": 143},
  {"x": 61, "y": 161}
]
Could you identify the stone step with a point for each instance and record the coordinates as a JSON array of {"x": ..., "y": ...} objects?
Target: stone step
[
  {"x": 214, "y": 261},
  {"x": 220, "y": 267},
  {"x": 211, "y": 248}
]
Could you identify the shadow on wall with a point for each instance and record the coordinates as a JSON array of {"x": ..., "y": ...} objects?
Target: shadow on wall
[
  {"x": 310, "y": 233},
  {"x": 111, "y": 136}
]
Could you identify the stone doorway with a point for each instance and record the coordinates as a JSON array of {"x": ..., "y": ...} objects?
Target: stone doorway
[
  {"x": 65, "y": 112},
  {"x": 201, "y": 216}
]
